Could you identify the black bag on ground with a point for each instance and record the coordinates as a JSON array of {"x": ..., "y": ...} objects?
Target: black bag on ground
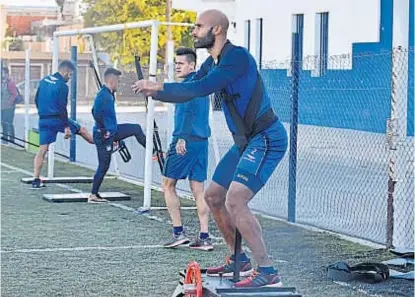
[{"x": 368, "y": 272}]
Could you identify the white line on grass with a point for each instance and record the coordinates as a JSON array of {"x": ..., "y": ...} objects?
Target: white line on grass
[
  {"x": 116, "y": 205},
  {"x": 16, "y": 169},
  {"x": 82, "y": 248},
  {"x": 165, "y": 208},
  {"x": 8, "y": 172}
]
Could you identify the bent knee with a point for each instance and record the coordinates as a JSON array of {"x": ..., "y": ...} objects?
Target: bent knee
[
  {"x": 138, "y": 129},
  {"x": 43, "y": 149},
  {"x": 196, "y": 187},
  {"x": 169, "y": 185},
  {"x": 214, "y": 199},
  {"x": 236, "y": 199}
]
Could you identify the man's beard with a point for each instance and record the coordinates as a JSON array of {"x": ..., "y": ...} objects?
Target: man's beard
[{"x": 205, "y": 42}]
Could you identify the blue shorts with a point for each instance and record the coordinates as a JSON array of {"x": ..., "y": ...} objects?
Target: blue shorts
[
  {"x": 49, "y": 128},
  {"x": 257, "y": 163},
  {"x": 192, "y": 165}
]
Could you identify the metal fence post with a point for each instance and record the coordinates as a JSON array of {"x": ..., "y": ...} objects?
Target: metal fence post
[
  {"x": 296, "y": 62},
  {"x": 74, "y": 80}
]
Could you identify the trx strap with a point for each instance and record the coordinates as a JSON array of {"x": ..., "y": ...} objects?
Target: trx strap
[
  {"x": 122, "y": 148},
  {"x": 369, "y": 272},
  {"x": 249, "y": 125},
  {"x": 156, "y": 137},
  {"x": 5, "y": 137}
]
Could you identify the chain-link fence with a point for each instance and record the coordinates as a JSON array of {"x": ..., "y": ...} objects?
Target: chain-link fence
[{"x": 344, "y": 156}]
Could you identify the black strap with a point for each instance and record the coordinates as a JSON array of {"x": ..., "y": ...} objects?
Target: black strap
[
  {"x": 123, "y": 151},
  {"x": 157, "y": 148},
  {"x": 254, "y": 105},
  {"x": 240, "y": 138},
  {"x": 249, "y": 125},
  {"x": 370, "y": 272}
]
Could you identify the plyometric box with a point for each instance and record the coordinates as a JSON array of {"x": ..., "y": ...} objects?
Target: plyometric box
[
  {"x": 83, "y": 197},
  {"x": 60, "y": 180}
]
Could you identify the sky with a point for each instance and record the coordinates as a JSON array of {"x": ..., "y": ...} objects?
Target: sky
[{"x": 29, "y": 2}]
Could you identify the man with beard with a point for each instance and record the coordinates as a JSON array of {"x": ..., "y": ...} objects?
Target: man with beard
[
  {"x": 51, "y": 101},
  {"x": 260, "y": 141},
  {"x": 107, "y": 131}
]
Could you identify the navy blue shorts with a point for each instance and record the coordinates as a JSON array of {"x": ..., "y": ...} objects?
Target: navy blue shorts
[
  {"x": 256, "y": 164},
  {"x": 192, "y": 165},
  {"x": 49, "y": 128}
]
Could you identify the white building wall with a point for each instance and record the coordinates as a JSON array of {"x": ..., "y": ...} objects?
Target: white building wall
[{"x": 350, "y": 21}]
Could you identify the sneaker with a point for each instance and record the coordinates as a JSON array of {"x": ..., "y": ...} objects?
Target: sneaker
[
  {"x": 258, "y": 279},
  {"x": 202, "y": 244},
  {"x": 228, "y": 268},
  {"x": 37, "y": 184},
  {"x": 96, "y": 198},
  {"x": 176, "y": 240}
]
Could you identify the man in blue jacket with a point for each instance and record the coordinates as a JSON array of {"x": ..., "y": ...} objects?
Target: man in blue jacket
[
  {"x": 107, "y": 131},
  {"x": 51, "y": 102},
  {"x": 188, "y": 157},
  {"x": 260, "y": 141}
]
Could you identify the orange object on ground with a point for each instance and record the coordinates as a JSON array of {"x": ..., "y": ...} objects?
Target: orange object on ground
[{"x": 193, "y": 281}]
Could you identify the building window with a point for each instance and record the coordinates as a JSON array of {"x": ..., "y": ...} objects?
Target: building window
[
  {"x": 259, "y": 32},
  {"x": 321, "y": 43},
  {"x": 247, "y": 40},
  {"x": 297, "y": 33}
]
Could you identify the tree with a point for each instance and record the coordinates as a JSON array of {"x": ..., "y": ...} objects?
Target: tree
[{"x": 124, "y": 44}]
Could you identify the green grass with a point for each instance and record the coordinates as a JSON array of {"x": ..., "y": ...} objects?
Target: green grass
[{"x": 134, "y": 269}]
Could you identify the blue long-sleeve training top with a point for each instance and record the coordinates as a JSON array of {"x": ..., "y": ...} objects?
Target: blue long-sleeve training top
[
  {"x": 236, "y": 72},
  {"x": 191, "y": 118},
  {"x": 103, "y": 111},
  {"x": 52, "y": 98}
]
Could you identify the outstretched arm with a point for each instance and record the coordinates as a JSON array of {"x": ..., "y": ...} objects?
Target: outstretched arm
[{"x": 232, "y": 67}]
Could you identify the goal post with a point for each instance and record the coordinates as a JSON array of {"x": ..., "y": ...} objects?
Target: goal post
[{"x": 152, "y": 72}]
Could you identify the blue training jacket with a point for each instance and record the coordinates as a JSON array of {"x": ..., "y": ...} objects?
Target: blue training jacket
[
  {"x": 52, "y": 98},
  {"x": 103, "y": 111},
  {"x": 191, "y": 118},
  {"x": 236, "y": 72}
]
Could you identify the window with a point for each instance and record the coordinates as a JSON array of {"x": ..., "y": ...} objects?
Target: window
[
  {"x": 259, "y": 27},
  {"x": 321, "y": 43},
  {"x": 247, "y": 40},
  {"x": 297, "y": 29}
]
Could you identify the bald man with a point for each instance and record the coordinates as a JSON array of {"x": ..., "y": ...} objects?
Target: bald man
[{"x": 260, "y": 141}]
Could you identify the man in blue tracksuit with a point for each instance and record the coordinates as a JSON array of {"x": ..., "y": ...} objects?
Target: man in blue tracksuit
[
  {"x": 107, "y": 131},
  {"x": 51, "y": 101},
  {"x": 260, "y": 141},
  {"x": 188, "y": 156}
]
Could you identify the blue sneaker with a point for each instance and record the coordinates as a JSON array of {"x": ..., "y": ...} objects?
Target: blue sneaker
[{"x": 37, "y": 184}]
